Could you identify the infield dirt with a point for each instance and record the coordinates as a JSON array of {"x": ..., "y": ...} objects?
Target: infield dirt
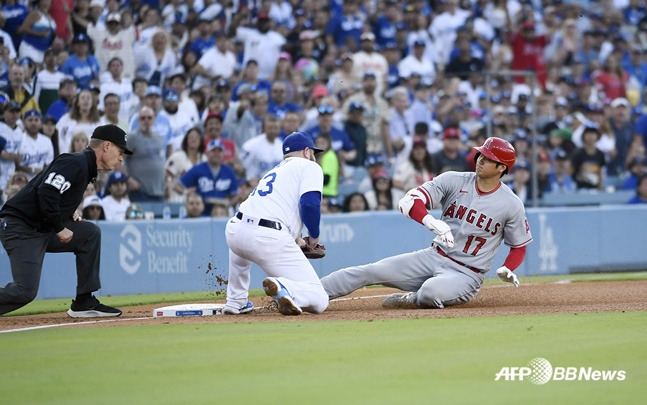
[{"x": 365, "y": 304}]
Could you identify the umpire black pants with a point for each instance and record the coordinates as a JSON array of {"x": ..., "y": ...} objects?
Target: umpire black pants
[{"x": 26, "y": 248}]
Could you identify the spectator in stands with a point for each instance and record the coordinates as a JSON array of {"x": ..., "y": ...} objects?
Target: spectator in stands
[
  {"x": 383, "y": 196},
  {"x": 12, "y": 135},
  {"x": 216, "y": 62},
  {"x": 220, "y": 211},
  {"x": 181, "y": 161},
  {"x": 194, "y": 205},
  {"x": 284, "y": 73},
  {"x": 401, "y": 124},
  {"x": 622, "y": 131},
  {"x": 278, "y": 105},
  {"x": 79, "y": 142},
  {"x": 345, "y": 27},
  {"x": 12, "y": 15},
  {"x": 263, "y": 152},
  {"x": 156, "y": 60},
  {"x": 290, "y": 123},
  {"x": 416, "y": 62},
  {"x": 417, "y": 169},
  {"x": 376, "y": 116},
  {"x": 373, "y": 164},
  {"x": 240, "y": 123},
  {"x": 641, "y": 191},
  {"x": 92, "y": 209},
  {"x": 49, "y": 80},
  {"x": 612, "y": 79},
  {"x": 114, "y": 41},
  {"x": 329, "y": 165},
  {"x": 450, "y": 158},
  {"x": 528, "y": 49},
  {"x": 341, "y": 143},
  {"x": 82, "y": 65},
  {"x": 145, "y": 166},
  {"x": 49, "y": 130},
  {"x": 112, "y": 81},
  {"x": 134, "y": 213},
  {"x": 179, "y": 123},
  {"x": 37, "y": 31},
  {"x": 559, "y": 179},
  {"x": 112, "y": 106},
  {"x": 16, "y": 182},
  {"x": 520, "y": 183},
  {"x": 214, "y": 181},
  {"x": 84, "y": 117},
  {"x": 465, "y": 64},
  {"x": 368, "y": 60},
  {"x": 343, "y": 79},
  {"x": 637, "y": 168},
  {"x": 589, "y": 162},
  {"x": 36, "y": 149},
  {"x": 260, "y": 43},
  {"x": 66, "y": 92},
  {"x": 115, "y": 202},
  {"x": 355, "y": 202},
  {"x": 17, "y": 89},
  {"x": 356, "y": 132},
  {"x": 186, "y": 104},
  {"x": 251, "y": 81}
]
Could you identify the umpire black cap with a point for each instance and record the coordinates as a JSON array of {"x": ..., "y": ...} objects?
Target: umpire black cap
[{"x": 113, "y": 134}]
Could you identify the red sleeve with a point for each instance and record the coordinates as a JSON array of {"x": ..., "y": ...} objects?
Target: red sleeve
[
  {"x": 515, "y": 257},
  {"x": 418, "y": 210}
]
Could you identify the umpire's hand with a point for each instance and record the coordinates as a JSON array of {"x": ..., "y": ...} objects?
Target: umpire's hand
[{"x": 65, "y": 235}]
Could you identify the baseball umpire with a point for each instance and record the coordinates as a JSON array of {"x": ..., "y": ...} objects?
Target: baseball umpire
[
  {"x": 478, "y": 213},
  {"x": 43, "y": 217}
]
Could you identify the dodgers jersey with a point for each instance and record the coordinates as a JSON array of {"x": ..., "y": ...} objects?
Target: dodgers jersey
[
  {"x": 277, "y": 195},
  {"x": 479, "y": 221}
]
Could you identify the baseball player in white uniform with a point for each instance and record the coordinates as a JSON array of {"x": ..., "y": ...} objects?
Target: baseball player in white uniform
[
  {"x": 478, "y": 212},
  {"x": 267, "y": 231}
]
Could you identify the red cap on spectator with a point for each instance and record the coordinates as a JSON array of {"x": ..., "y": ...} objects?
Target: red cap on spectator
[
  {"x": 382, "y": 174},
  {"x": 319, "y": 91},
  {"x": 213, "y": 114},
  {"x": 263, "y": 16},
  {"x": 528, "y": 25},
  {"x": 451, "y": 133}
]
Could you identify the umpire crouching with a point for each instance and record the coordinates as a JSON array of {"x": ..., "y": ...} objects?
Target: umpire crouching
[{"x": 42, "y": 217}]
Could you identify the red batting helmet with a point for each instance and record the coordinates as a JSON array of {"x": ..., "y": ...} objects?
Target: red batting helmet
[{"x": 499, "y": 150}]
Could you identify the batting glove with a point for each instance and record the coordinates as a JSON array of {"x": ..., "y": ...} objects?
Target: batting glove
[
  {"x": 441, "y": 229},
  {"x": 508, "y": 276}
]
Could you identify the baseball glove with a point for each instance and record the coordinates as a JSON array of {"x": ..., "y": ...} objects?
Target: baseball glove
[{"x": 316, "y": 252}]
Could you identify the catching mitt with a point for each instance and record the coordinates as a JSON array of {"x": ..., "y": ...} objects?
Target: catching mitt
[{"x": 316, "y": 252}]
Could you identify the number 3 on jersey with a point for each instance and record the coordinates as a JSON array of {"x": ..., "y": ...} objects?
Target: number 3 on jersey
[{"x": 265, "y": 186}]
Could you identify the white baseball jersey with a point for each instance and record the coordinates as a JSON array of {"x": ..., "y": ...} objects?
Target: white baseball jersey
[
  {"x": 479, "y": 221},
  {"x": 277, "y": 195},
  {"x": 115, "y": 210},
  {"x": 36, "y": 152},
  {"x": 259, "y": 155},
  {"x": 264, "y": 48},
  {"x": 14, "y": 138}
]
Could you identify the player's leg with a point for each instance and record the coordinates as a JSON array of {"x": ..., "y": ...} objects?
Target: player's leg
[
  {"x": 449, "y": 287},
  {"x": 280, "y": 257},
  {"x": 406, "y": 271},
  {"x": 86, "y": 246},
  {"x": 239, "y": 266},
  {"x": 26, "y": 250}
]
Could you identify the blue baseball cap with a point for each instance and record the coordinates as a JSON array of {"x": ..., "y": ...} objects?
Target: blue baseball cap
[
  {"x": 356, "y": 106},
  {"x": 153, "y": 91},
  {"x": 215, "y": 143},
  {"x": 369, "y": 75},
  {"x": 32, "y": 113},
  {"x": 299, "y": 141},
  {"x": 81, "y": 38},
  {"x": 115, "y": 177},
  {"x": 26, "y": 61},
  {"x": 170, "y": 95}
]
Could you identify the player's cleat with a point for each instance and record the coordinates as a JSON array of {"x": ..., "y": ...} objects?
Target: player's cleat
[
  {"x": 401, "y": 300},
  {"x": 281, "y": 296},
  {"x": 91, "y": 308},
  {"x": 247, "y": 308}
]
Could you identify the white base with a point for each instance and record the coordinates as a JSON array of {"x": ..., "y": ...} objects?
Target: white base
[{"x": 189, "y": 310}]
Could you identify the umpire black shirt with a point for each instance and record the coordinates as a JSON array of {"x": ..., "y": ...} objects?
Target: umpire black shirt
[{"x": 55, "y": 193}]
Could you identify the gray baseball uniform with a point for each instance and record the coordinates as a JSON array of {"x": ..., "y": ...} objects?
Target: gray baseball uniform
[{"x": 479, "y": 222}]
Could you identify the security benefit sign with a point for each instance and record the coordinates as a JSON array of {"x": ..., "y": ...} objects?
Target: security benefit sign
[
  {"x": 162, "y": 257},
  {"x": 540, "y": 371}
]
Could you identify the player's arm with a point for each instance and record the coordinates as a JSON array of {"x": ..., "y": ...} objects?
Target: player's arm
[
  {"x": 414, "y": 205},
  {"x": 52, "y": 186},
  {"x": 310, "y": 209}
]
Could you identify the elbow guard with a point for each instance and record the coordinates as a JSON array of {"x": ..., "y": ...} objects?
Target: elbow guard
[{"x": 407, "y": 202}]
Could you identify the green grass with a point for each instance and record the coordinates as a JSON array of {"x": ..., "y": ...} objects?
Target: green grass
[
  {"x": 442, "y": 361},
  {"x": 63, "y": 304}
]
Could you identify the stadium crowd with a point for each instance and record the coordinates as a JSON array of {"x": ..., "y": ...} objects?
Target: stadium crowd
[{"x": 395, "y": 92}]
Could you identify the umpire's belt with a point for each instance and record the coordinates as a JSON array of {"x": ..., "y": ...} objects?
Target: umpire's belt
[
  {"x": 262, "y": 222},
  {"x": 442, "y": 253}
]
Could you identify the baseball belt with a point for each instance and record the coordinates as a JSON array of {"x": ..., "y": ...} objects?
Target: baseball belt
[
  {"x": 263, "y": 222},
  {"x": 443, "y": 254}
]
